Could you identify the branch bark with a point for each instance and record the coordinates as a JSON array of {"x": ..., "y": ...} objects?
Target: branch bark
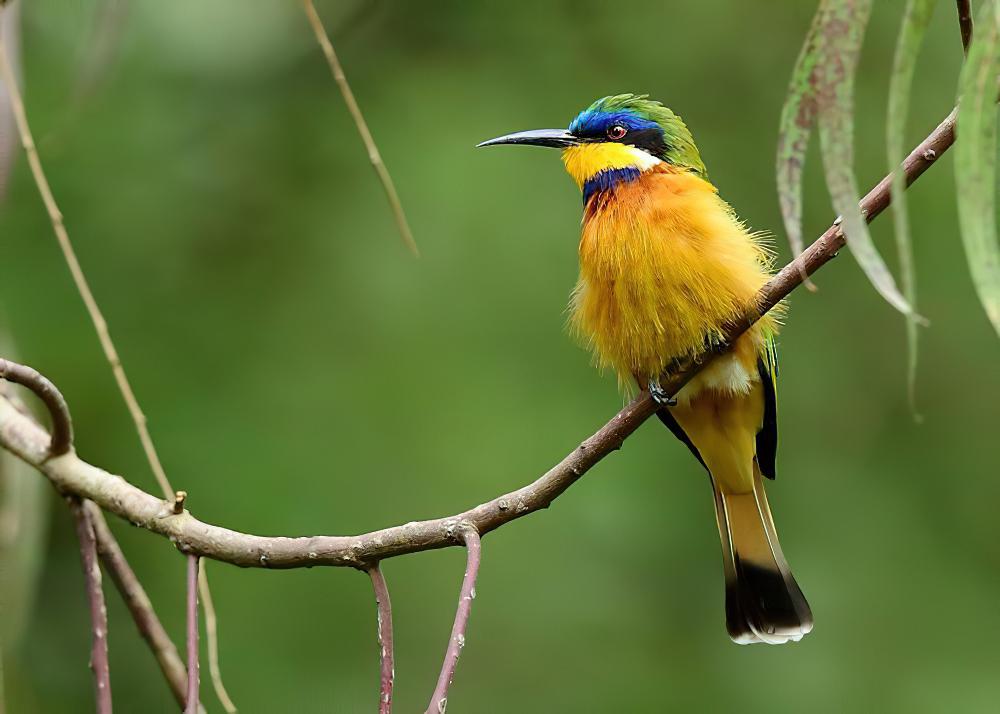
[
  {"x": 98, "y": 611},
  {"x": 359, "y": 121},
  {"x": 27, "y": 440},
  {"x": 387, "y": 667},
  {"x": 139, "y": 606},
  {"x": 473, "y": 546},
  {"x": 192, "y": 635},
  {"x": 965, "y": 22}
]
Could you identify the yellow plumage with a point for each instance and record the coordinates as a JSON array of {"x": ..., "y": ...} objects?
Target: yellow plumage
[{"x": 665, "y": 268}]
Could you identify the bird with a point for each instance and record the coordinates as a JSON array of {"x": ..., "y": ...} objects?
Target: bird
[{"x": 665, "y": 266}]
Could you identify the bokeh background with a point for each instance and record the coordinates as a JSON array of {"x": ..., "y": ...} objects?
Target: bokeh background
[{"x": 304, "y": 374}]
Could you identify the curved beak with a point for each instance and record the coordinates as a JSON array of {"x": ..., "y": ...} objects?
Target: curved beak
[{"x": 555, "y": 138}]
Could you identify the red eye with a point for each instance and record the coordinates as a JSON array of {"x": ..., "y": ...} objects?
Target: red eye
[{"x": 616, "y": 132}]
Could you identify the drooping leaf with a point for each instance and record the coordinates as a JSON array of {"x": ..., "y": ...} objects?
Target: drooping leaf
[
  {"x": 798, "y": 116},
  {"x": 976, "y": 159},
  {"x": 916, "y": 18},
  {"x": 843, "y": 27}
]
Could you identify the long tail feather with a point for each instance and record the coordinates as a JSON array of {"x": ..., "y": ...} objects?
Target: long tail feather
[{"x": 763, "y": 601}]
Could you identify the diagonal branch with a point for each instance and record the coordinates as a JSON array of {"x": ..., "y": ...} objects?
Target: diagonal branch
[
  {"x": 212, "y": 641},
  {"x": 359, "y": 121},
  {"x": 439, "y": 700},
  {"x": 59, "y": 227},
  {"x": 139, "y": 605},
  {"x": 965, "y": 22},
  {"x": 61, "y": 439},
  {"x": 28, "y": 441},
  {"x": 98, "y": 611}
]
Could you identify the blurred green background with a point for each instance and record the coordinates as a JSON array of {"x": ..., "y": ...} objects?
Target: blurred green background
[{"x": 304, "y": 374}]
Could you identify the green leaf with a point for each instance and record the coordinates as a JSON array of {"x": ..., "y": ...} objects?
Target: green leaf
[
  {"x": 916, "y": 18},
  {"x": 798, "y": 116},
  {"x": 976, "y": 159},
  {"x": 842, "y": 30}
]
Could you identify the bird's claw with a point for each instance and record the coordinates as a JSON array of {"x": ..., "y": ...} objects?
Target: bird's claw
[{"x": 660, "y": 395}]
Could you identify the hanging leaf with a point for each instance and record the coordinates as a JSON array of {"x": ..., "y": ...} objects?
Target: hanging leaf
[
  {"x": 843, "y": 27},
  {"x": 976, "y": 159},
  {"x": 798, "y": 116},
  {"x": 916, "y": 18}
]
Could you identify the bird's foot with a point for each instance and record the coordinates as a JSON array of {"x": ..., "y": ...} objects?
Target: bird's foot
[{"x": 660, "y": 395}]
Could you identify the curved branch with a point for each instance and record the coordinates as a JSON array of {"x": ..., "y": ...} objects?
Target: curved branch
[
  {"x": 27, "y": 440},
  {"x": 62, "y": 424}
]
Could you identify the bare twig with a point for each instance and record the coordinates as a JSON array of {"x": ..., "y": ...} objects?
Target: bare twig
[
  {"x": 387, "y": 671},
  {"x": 212, "y": 639},
  {"x": 439, "y": 700},
  {"x": 28, "y": 441},
  {"x": 359, "y": 120},
  {"x": 62, "y": 425},
  {"x": 96, "y": 316},
  {"x": 965, "y": 22},
  {"x": 100, "y": 324},
  {"x": 10, "y": 37},
  {"x": 139, "y": 605},
  {"x": 192, "y": 635},
  {"x": 98, "y": 611}
]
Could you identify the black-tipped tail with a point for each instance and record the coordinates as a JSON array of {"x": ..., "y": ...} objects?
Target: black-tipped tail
[{"x": 763, "y": 601}]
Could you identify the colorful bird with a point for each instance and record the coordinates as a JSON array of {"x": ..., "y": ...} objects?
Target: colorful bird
[{"x": 665, "y": 265}]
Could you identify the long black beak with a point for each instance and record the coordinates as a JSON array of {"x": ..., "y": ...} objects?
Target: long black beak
[{"x": 555, "y": 138}]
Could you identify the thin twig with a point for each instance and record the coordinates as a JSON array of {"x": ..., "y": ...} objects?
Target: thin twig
[
  {"x": 62, "y": 424},
  {"x": 24, "y": 438},
  {"x": 439, "y": 700},
  {"x": 192, "y": 635},
  {"x": 359, "y": 121},
  {"x": 965, "y": 23},
  {"x": 10, "y": 29},
  {"x": 387, "y": 670},
  {"x": 100, "y": 324},
  {"x": 212, "y": 636},
  {"x": 139, "y": 605},
  {"x": 98, "y": 611},
  {"x": 96, "y": 316}
]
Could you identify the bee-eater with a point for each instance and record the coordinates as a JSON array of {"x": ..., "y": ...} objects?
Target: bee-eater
[{"x": 665, "y": 266}]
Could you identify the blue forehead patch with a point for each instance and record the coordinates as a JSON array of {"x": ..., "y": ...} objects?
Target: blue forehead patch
[{"x": 592, "y": 122}]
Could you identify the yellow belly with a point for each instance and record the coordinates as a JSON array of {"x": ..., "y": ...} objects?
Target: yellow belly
[{"x": 664, "y": 266}]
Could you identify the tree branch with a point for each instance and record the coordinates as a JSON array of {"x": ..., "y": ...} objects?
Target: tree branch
[
  {"x": 359, "y": 121},
  {"x": 62, "y": 424},
  {"x": 212, "y": 641},
  {"x": 387, "y": 667},
  {"x": 439, "y": 700},
  {"x": 139, "y": 605},
  {"x": 83, "y": 287},
  {"x": 192, "y": 635},
  {"x": 27, "y": 440},
  {"x": 62, "y": 441},
  {"x": 965, "y": 22},
  {"x": 98, "y": 611}
]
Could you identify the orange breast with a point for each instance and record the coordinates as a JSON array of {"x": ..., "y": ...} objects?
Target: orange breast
[{"x": 664, "y": 265}]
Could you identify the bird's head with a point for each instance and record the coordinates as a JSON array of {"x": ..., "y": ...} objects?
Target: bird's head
[{"x": 625, "y": 133}]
